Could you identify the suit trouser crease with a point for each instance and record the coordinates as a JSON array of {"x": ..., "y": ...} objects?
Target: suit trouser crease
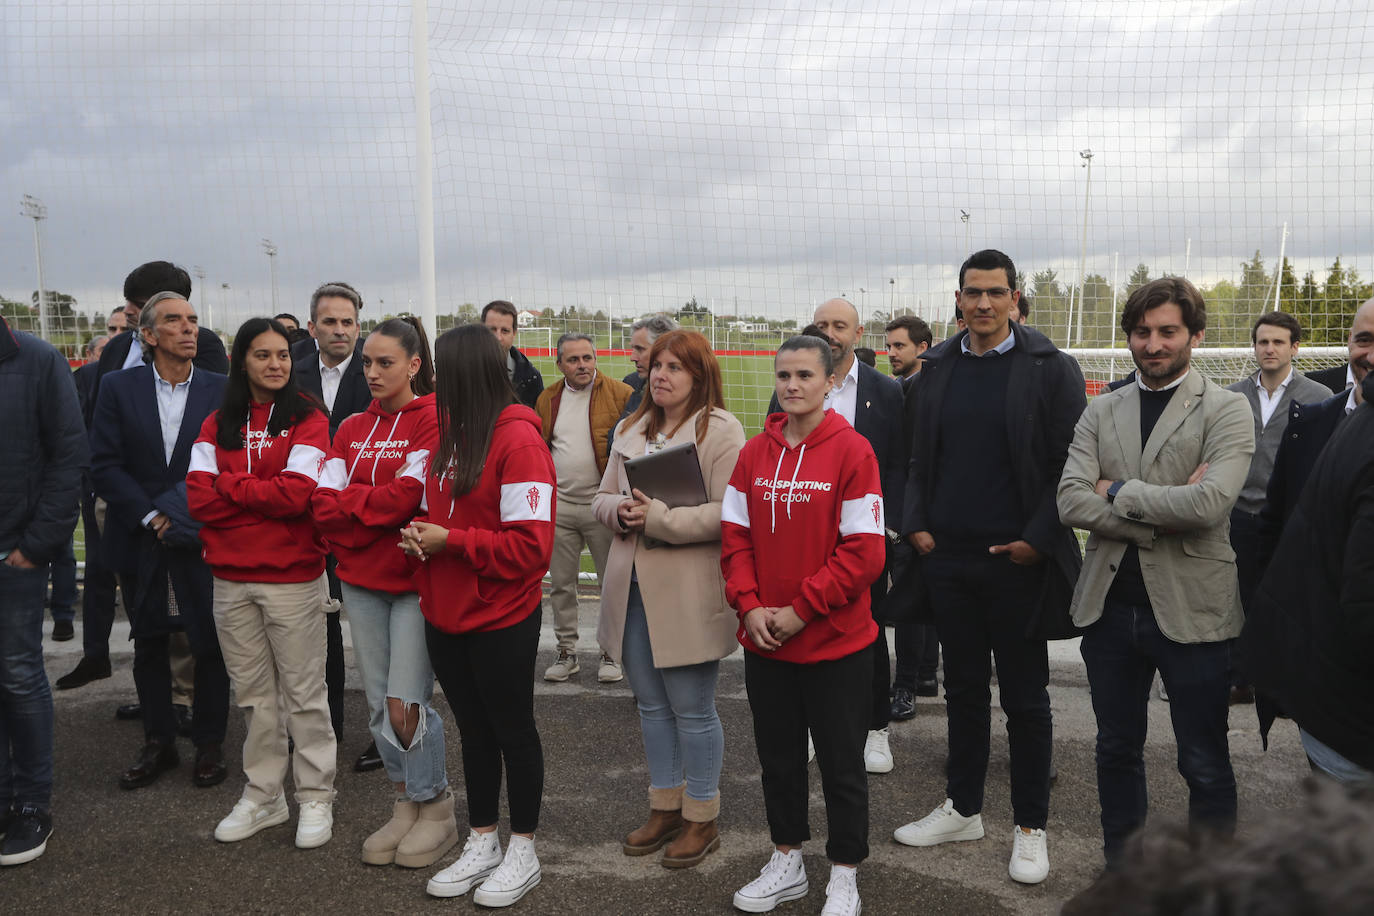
[{"x": 273, "y": 638}]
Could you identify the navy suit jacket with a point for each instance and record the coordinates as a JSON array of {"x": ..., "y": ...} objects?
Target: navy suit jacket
[
  {"x": 210, "y": 356},
  {"x": 1310, "y": 427},
  {"x": 1333, "y": 378},
  {"x": 128, "y": 467},
  {"x": 354, "y": 396}
]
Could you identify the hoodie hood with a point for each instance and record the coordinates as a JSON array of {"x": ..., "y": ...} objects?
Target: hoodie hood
[
  {"x": 518, "y": 413},
  {"x": 419, "y": 402}
]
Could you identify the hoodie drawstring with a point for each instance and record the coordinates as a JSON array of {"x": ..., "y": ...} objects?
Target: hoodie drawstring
[
  {"x": 248, "y": 435},
  {"x": 792, "y": 487},
  {"x": 377, "y": 454},
  {"x": 354, "y": 466},
  {"x": 773, "y": 503}
]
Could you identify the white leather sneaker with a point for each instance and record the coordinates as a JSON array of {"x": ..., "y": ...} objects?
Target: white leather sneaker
[
  {"x": 877, "y": 751},
  {"x": 481, "y": 856},
  {"x": 1030, "y": 857},
  {"x": 315, "y": 824},
  {"x": 842, "y": 893},
  {"x": 943, "y": 825},
  {"x": 515, "y": 877},
  {"x": 249, "y": 817},
  {"x": 782, "y": 879}
]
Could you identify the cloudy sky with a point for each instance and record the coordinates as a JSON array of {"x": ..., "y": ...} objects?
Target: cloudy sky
[{"x": 631, "y": 155}]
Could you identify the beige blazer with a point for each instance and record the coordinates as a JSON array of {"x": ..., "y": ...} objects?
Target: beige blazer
[
  {"x": 1183, "y": 532},
  {"x": 681, "y": 583}
]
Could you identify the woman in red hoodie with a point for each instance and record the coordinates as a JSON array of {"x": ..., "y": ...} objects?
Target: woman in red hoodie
[
  {"x": 801, "y": 541},
  {"x": 252, "y": 471},
  {"x": 485, "y": 540},
  {"x": 371, "y": 487}
]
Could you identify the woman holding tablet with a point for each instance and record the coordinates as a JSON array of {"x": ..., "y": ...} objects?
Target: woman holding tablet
[{"x": 802, "y": 540}]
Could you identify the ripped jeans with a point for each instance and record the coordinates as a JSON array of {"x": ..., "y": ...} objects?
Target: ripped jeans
[{"x": 389, "y": 647}]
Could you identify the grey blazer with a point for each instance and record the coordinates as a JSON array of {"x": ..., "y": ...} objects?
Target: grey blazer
[{"x": 1182, "y": 531}]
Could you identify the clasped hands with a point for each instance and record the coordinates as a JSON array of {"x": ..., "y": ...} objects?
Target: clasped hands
[
  {"x": 770, "y": 627},
  {"x": 632, "y": 512},
  {"x": 423, "y": 539}
]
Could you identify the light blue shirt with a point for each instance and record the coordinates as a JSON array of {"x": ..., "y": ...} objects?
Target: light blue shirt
[
  {"x": 135, "y": 357},
  {"x": 1001, "y": 349},
  {"x": 171, "y": 408}
]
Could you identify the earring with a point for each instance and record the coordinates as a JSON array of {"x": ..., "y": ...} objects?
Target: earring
[{"x": 412, "y": 376}]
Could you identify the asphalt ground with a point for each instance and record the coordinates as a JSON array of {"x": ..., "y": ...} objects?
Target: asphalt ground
[{"x": 152, "y": 851}]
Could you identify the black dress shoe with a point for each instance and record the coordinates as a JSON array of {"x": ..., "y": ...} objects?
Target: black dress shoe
[
  {"x": 155, "y": 760},
  {"x": 62, "y": 630},
  {"x": 210, "y": 769},
  {"x": 86, "y": 670},
  {"x": 903, "y": 705},
  {"x": 928, "y": 688},
  {"x": 1241, "y": 695},
  {"x": 368, "y": 760},
  {"x": 184, "y": 719},
  {"x": 128, "y": 712}
]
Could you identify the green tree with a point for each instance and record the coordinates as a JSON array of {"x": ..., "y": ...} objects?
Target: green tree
[
  {"x": 1099, "y": 318},
  {"x": 1138, "y": 278},
  {"x": 1050, "y": 309},
  {"x": 693, "y": 309}
]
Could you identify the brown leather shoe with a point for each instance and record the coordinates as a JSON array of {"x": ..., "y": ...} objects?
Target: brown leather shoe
[
  {"x": 155, "y": 759},
  {"x": 697, "y": 841},
  {"x": 210, "y": 769},
  {"x": 661, "y": 827}
]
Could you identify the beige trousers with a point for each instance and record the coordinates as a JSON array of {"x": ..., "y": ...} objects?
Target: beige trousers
[
  {"x": 273, "y": 639},
  {"x": 574, "y": 526}
]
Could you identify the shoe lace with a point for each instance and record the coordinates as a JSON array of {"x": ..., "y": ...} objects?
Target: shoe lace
[
  {"x": 1027, "y": 845},
  {"x": 314, "y": 808},
  {"x": 936, "y": 816},
  {"x": 512, "y": 866},
  {"x": 841, "y": 892},
  {"x": 773, "y": 873}
]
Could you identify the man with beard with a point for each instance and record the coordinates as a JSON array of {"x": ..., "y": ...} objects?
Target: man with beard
[{"x": 1153, "y": 472}]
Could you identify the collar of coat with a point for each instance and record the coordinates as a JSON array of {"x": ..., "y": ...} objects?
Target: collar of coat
[{"x": 1028, "y": 340}]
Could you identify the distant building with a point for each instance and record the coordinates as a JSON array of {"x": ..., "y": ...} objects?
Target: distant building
[{"x": 525, "y": 318}]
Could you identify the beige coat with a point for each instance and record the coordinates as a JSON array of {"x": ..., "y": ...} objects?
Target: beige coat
[
  {"x": 1183, "y": 532},
  {"x": 681, "y": 583}
]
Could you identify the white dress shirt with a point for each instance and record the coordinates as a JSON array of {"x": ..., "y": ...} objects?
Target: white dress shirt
[
  {"x": 171, "y": 408},
  {"x": 1270, "y": 402},
  {"x": 1139, "y": 383},
  {"x": 135, "y": 355},
  {"x": 999, "y": 350},
  {"x": 844, "y": 397},
  {"x": 330, "y": 379}
]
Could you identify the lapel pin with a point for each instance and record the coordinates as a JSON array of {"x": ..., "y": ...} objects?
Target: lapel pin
[{"x": 867, "y": 404}]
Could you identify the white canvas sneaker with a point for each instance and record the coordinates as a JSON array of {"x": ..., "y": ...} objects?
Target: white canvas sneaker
[
  {"x": 515, "y": 877},
  {"x": 481, "y": 856},
  {"x": 877, "y": 751},
  {"x": 782, "y": 879},
  {"x": 1030, "y": 857},
  {"x": 943, "y": 825},
  {"x": 249, "y": 817},
  {"x": 315, "y": 825},
  {"x": 842, "y": 893}
]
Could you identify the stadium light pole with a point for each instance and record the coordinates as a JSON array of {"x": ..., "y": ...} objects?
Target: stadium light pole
[
  {"x": 271, "y": 249},
  {"x": 967, "y": 218},
  {"x": 224, "y": 297},
  {"x": 424, "y": 167},
  {"x": 34, "y": 209},
  {"x": 1087, "y": 157},
  {"x": 200, "y": 277}
]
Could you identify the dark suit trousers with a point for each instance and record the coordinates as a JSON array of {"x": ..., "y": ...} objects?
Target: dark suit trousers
[
  {"x": 918, "y": 654},
  {"x": 153, "y": 678},
  {"x": 334, "y": 654},
  {"x": 982, "y": 603},
  {"x": 1245, "y": 540},
  {"x": 98, "y": 593}
]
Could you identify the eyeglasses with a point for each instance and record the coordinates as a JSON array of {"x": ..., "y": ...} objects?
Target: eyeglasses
[{"x": 974, "y": 294}]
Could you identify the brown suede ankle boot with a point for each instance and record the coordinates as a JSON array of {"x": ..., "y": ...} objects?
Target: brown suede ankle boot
[
  {"x": 661, "y": 827},
  {"x": 697, "y": 841}
]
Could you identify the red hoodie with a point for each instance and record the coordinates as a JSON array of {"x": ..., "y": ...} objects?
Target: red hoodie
[
  {"x": 254, "y": 501},
  {"x": 500, "y": 534},
  {"x": 804, "y": 527},
  {"x": 371, "y": 488}
]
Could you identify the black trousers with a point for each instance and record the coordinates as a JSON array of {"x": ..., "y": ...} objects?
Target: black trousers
[
  {"x": 982, "y": 604},
  {"x": 1245, "y": 538},
  {"x": 918, "y": 654},
  {"x": 334, "y": 654},
  {"x": 97, "y": 592},
  {"x": 153, "y": 680},
  {"x": 488, "y": 679},
  {"x": 828, "y": 698},
  {"x": 880, "y": 700}
]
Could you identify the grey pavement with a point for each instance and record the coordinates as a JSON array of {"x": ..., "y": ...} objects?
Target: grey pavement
[{"x": 151, "y": 850}]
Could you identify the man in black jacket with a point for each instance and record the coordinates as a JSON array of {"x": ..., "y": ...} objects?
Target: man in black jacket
[
  {"x": 330, "y": 367},
  {"x": 502, "y": 320},
  {"x": 41, "y": 463},
  {"x": 1309, "y": 635},
  {"x": 996, "y": 406},
  {"x": 1360, "y": 345}
]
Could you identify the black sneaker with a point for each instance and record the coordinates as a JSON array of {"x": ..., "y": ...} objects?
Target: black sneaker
[
  {"x": 62, "y": 630},
  {"x": 6, "y": 816},
  {"x": 26, "y": 838},
  {"x": 928, "y": 688},
  {"x": 903, "y": 705}
]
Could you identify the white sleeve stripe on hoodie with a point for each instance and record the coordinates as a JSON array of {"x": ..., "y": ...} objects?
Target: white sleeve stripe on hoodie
[
  {"x": 734, "y": 508},
  {"x": 305, "y": 460},
  {"x": 527, "y": 501},
  {"x": 203, "y": 459},
  {"x": 862, "y": 516},
  {"x": 335, "y": 475},
  {"x": 415, "y": 465}
]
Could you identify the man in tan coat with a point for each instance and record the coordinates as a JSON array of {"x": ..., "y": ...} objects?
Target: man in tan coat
[
  {"x": 577, "y": 412},
  {"x": 1153, "y": 471}
]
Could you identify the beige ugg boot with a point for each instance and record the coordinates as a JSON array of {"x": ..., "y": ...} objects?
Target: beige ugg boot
[
  {"x": 435, "y": 832},
  {"x": 380, "y": 848}
]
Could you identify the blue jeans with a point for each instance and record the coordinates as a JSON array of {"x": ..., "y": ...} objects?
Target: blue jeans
[
  {"x": 389, "y": 648},
  {"x": 683, "y": 737},
  {"x": 1122, "y": 650},
  {"x": 26, "y": 719},
  {"x": 1331, "y": 763}
]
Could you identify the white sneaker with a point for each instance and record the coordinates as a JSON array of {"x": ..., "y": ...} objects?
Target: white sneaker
[
  {"x": 515, "y": 877},
  {"x": 782, "y": 879},
  {"x": 842, "y": 893},
  {"x": 877, "y": 751},
  {"x": 564, "y": 667},
  {"x": 315, "y": 825},
  {"x": 609, "y": 672},
  {"x": 249, "y": 817},
  {"x": 810, "y": 748},
  {"x": 481, "y": 855},
  {"x": 943, "y": 825},
  {"x": 1030, "y": 859}
]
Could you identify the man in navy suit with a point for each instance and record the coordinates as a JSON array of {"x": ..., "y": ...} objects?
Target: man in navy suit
[
  {"x": 872, "y": 403},
  {"x": 330, "y": 366},
  {"x": 146, "y": 419}
]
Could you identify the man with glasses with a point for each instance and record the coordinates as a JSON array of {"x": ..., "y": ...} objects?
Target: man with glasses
[{"x": 996, "y": 405}]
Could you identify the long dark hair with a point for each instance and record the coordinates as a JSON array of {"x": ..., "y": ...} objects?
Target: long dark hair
[
  {"x": 290, "y": 405},
  {"x": 410, "y": 334},
  {"x": 471, "y": 390}
]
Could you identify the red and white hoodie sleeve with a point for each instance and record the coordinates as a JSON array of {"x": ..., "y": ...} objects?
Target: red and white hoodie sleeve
[
  {"x": 861, "y": 553},
  {"x": 280, "y": 495},
  {"x": 523, "y": 543}
]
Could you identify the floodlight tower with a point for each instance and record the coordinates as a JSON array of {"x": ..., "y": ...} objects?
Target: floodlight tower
[
  {"x": 966, "y": 218},
  {"x": 271, "y": 249},
  {"x": 1087, "y": 157},
  {"x": 33, "y": 208},
  {"x": 200, "y": 277}
]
